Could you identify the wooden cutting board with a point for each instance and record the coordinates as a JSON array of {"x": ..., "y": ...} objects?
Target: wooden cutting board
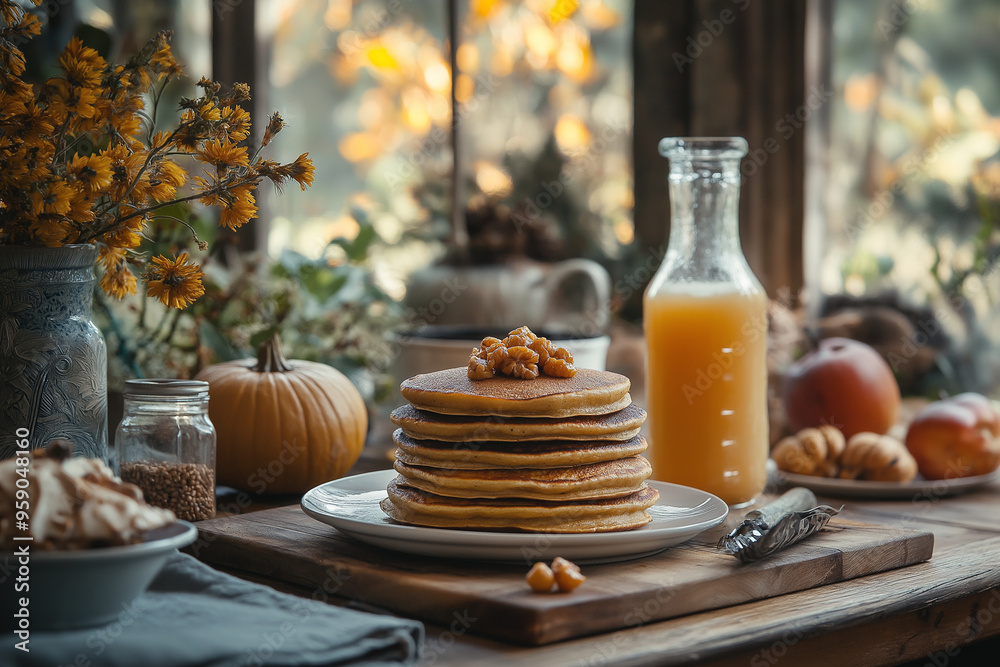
[{"x": 493, "y": 600}]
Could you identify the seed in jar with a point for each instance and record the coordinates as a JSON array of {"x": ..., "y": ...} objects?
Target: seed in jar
[{"x": 186, "y": 488}]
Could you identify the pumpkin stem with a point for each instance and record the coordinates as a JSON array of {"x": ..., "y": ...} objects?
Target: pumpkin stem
[{"x": 270, "y": 358}]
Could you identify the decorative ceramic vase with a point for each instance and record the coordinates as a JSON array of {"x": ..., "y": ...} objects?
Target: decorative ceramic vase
[{"x": 53, "y": 360}]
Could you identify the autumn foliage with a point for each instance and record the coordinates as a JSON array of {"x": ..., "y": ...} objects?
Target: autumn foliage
[{"x": 82, "y": 161}]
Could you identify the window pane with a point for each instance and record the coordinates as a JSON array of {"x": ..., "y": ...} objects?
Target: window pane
[
  {"x": 362, "y": 85},
  {"x": 546, "y": 94},
  {"x": 543, "y": 105},
  {"x": 913, "y": 194}
]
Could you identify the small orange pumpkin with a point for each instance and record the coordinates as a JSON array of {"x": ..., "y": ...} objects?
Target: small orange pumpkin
[{"x": 283, "y": 426}]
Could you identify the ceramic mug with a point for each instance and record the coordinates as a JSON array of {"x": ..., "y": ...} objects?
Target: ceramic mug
[{"x": 569, "y": 296}]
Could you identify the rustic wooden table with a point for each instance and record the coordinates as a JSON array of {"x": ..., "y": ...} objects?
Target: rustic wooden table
[
  {"x": 931, "y": 613},
  {"x": 934, "y": 613}
]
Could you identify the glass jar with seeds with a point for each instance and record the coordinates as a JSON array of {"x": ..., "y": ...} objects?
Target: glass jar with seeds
[{"x": 166, "y": 445}]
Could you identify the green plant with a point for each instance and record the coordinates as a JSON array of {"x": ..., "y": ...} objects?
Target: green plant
[{"x": 328, "y": 310}]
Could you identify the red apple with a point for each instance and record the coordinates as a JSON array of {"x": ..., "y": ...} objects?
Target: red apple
[
  {"x": 844, "y": 383},
  {"x": 956, "y": 437}
]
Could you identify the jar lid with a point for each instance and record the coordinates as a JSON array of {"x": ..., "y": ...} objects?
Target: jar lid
[{"x": 165, "y": 387}]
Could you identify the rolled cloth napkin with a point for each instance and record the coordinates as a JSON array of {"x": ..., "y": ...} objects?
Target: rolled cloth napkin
[{"x": 194, "y": 615}]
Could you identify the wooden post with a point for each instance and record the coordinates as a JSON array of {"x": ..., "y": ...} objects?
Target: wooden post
[
  {"x": 661, "y": 109},
  {"x": 235, "y": 60},
  {"x": 725, "y": 67}
]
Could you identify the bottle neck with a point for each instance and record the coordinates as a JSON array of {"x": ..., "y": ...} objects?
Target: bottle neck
[{"x": 704, "y": 210}]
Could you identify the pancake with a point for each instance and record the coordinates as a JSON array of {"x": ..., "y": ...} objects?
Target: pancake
[
  {"x": 542, "y": 454},
  {"x": 451, "y": 392},
  {"x": 607, "y": 479},
  {"x": 619, "y": 426},
  {"x": 413, "y": 506}
]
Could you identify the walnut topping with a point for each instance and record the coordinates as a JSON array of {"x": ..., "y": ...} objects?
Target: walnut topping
[
  {"x": 490, "y": 342},
  {"x": 478, "y": 369},
  {"x": 521, "y": 354},
  {"x": 520, "y": 363},
  {"x": 544, "y": 348},
  {"x": 559, "y": 368}
]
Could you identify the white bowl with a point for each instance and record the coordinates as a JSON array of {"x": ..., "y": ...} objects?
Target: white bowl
[{"x": 87, "y": 587}]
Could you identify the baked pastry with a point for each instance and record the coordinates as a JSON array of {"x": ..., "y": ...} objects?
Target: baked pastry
[
  {"x": 877, "y": 458},
  {"x": 811, "y": 451}
]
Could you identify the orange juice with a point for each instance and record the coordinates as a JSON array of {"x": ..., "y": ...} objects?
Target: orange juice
[{"x": 707, "y": 388}]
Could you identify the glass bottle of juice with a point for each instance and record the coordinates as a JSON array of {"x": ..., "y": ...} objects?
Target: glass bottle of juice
[{"x": 705, "y": 320}]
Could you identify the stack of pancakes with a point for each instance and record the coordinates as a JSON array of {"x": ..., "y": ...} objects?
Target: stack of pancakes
[{"x": 548, "y": 455}]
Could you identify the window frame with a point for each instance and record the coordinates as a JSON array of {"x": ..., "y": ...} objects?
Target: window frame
[{"x": 753, "y": 70}]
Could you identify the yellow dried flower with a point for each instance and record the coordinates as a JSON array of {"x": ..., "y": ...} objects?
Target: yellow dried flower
[
  {"x": 64, "y": 100},
  {"x": 82, "y": 64},
  {"x": 91, "y": 171},
  {"x": 209, "y": 112},
  {"x": 238, "y": 205},
  {"x": 81, "y": 206},
  {"x": 164, "y": 179},
  {"x": 176, "y": 283},
  {"x": 122, "y": 237},
  {"x": 51, "y": 231},
  {"x": 223, "y": 155},
  {"x": 236, "y": 123},
  {"x": 274, "y": 125},
  {"x": 51, "y": 198},
  {"x": 34, "y": 123},
  {"x": 118, "y": 280},
  {"x": 302, "y": 171},
  {"x": 81, "y": 160},
  {"x": 163, "y": 62}
]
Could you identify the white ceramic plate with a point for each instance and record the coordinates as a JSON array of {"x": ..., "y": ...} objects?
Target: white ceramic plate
[
  {"x": 918, "y": 489},
  {"x": 351, "y": 505}
]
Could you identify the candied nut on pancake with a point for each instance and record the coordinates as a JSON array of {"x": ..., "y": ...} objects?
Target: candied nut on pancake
[
  {"x": 544, "y": 348},
  {"x": 521, "y": 362},
  {"x": 559, "y": 368},
  {"x": 521, "y": 355},
  {"x": 479, "y": 369}
]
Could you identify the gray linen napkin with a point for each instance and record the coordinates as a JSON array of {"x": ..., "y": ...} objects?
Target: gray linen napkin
[{"x": 194, "y": 615}]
